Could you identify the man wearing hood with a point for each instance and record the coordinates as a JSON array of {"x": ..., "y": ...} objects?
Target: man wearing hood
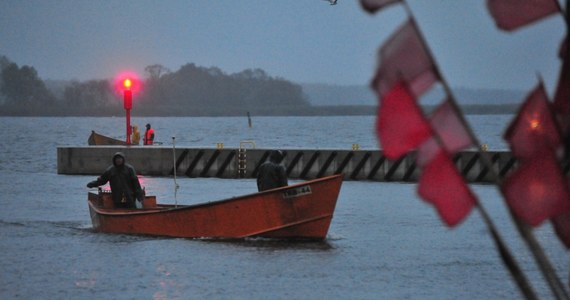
[
  {"x": 124, "y": 182},
  {"x": 271, "y": 173}
]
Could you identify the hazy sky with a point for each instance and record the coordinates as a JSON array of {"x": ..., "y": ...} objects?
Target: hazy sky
[{"x": 299, "y": 40}]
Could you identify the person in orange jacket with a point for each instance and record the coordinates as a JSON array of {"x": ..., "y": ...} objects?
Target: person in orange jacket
[{"x": 148, "y": 135}]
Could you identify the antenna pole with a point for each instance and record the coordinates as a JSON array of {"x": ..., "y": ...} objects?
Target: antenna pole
[{"x": 176, "y": 186}]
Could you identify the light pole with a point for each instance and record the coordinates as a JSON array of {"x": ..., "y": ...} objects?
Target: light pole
[{"x": 128, "y": 104}]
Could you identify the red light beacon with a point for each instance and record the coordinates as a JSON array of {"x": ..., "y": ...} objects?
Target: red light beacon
[
  {"x": 127, "y": 83},
  {"x": 128, "y": 105}
]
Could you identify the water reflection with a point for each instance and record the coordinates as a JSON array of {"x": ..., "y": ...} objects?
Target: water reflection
[
  {"x": 253, "y": 242},
  {"x": 275, "y": 244}
]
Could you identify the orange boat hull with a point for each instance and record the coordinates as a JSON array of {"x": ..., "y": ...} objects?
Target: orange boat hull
[{"x": 302, "y": 211}]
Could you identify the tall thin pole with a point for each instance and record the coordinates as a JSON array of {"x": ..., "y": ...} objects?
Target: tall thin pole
[
  {"x": 128, "y": 105},
  {"x": 174, "y": 168},
  {"x": 128, "y": 126}
]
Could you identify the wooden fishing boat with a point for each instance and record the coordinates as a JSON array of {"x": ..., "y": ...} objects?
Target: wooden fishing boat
[
  {"x": 96, "y": 139},
  {"x": 300, "y": 211}
]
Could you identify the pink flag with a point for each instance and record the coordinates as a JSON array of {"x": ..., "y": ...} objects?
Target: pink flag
[
  {"x": 451, "y": 131},
  {"x": 512, "y": 14},
  {"x": 441, "y": 185},
  {"x": 372, "y": 6},
  {"x": 404, "y": 56},
  {"x": 537, "y": 190},
  {"x": 534, "y": 127},
  {"x": 427, "y": 151},
  {"x": 400, "y": 125}
]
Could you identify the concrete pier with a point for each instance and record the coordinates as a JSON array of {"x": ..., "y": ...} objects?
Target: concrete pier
[{"x": 244, "y": 162}]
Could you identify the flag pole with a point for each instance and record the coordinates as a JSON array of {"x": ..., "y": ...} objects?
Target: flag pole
[{"x": 505, "y": 254}]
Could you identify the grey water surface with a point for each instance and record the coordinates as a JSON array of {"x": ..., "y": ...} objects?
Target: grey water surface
[{"x": 384, "y": 241}]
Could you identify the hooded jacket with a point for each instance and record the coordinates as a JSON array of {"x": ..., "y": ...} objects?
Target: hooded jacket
[
  {"x": 124, "y": 183},
  {"x": 271, "y": 173}
]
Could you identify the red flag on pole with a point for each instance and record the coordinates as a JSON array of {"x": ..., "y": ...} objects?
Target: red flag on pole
[
  {"x": 442, "y": 185},
  {"x": 427, "y": 152},
  {"x": 537, "y": 190},
  {"x": 513, "y": 14},
  {"x": 400, "y": 125},
  {"x": 404, "y": 56},
  {"x": 534, "y": 128},
  {"x": 451, "y": 131},
  {"x": 372, "y": 6}
]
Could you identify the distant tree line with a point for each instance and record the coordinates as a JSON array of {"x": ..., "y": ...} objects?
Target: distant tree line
[
  {"x": 21, "y": 90},
  {"x": 203, "y": 91},
  {"x": 190, "y": 91}
]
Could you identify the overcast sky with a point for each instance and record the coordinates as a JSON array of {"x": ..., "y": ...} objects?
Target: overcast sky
[{"x": 305, "y": 41}]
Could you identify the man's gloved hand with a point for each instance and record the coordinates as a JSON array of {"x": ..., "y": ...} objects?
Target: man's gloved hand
[{"x": 91, "y": 185}]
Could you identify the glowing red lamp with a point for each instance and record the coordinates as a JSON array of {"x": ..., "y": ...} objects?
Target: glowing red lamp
[
  {"x": 127, "y": 83},
  {"x": 127, "y": 95}
]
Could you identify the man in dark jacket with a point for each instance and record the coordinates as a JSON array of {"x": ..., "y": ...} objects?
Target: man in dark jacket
[
  {"x": 123, "y": 180},
  {"x": 271, "y": 173}
]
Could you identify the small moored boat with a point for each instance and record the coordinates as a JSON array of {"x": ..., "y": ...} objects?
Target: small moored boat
[
  {"x": 300, "y": 211},
  {"x": 96, "y": 139}
]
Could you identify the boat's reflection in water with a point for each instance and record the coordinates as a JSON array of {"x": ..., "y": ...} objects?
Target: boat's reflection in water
[
  {"x": 250, "y": 242},
  {"x": 275, "y": 244}
]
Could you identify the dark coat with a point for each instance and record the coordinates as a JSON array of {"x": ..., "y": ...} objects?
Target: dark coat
[
  {"x": 124, "y": 183},
  {"x": 271, "y": 175}
]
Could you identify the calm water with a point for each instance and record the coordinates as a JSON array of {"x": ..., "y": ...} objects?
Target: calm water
[{"x": 384, "y": 242}]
